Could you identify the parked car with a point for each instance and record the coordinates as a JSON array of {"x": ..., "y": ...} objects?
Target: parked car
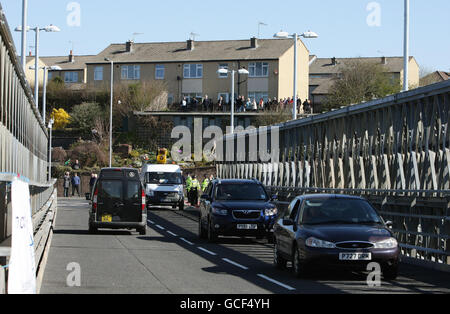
[
  {"x": 118, "y": 201},
  {"x": 336, "y": 231},
  {"x": 163, "y": 185},
  {"x": 236, "y": 208}
]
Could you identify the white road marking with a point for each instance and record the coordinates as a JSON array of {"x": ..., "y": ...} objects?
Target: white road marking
[
  {"x": 150, "y": 221},
  {"x": 205, "y": 250},
  {"x": 276, "y": 282},
  {"x": 234, "y": 263},
  {"x": 188, "y": 242},
  {"x": 171, "y": 233},
  {"x": 160, "y": 227}
]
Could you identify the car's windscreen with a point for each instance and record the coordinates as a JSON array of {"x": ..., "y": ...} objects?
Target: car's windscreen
[
  {"x": 163, "y": 178},
  {"x": 346, "y": 211},
  {"x": 240, "y": 192},
  {"x": 111, "y": 189}
]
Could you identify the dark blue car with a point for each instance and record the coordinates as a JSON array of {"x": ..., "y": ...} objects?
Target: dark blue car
[{"x": 236, "y": 208}]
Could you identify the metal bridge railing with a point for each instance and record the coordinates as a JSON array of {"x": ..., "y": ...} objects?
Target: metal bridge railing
[
  {"x": 393, "y": 151},
  {"x": 23, "y": 150}
]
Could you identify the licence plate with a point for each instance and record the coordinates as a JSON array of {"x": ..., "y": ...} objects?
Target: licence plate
[
  {"x": 355, "y": 256},
  {"x": 247, "y": 227},
  {"x": 107, "y": 218}
]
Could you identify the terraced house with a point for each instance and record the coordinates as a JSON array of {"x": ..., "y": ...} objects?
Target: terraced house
[{"x": 189, "y": 69}]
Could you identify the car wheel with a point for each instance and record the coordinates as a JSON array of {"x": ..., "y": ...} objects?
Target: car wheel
[
  {"x": 142, "y": 231},
  {"x": 390, "y": 272},
  {"x": 181, "y": 206},
  {"x": 92, "y": 229},
  {"x": 279, "y": 261},
  {"x": 298, "y": 265},
  {"x": 212, "y": 235},
  {"x": 201, "y": 231}
]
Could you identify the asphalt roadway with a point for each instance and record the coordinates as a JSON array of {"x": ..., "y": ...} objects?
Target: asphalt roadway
[{"x": 171, "y": 259}]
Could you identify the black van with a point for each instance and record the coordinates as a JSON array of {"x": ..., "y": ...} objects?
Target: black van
[{"x": 118, "y": 201}]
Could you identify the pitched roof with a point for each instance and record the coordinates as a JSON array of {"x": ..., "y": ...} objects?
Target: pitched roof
[
  {"x": 444, "y": 75},
  {"x": 320, "y": 86},
  {"x": 268, "y": 49},
  {"x": 325, "y": 65},
  {"x": 63, "y": 61}
]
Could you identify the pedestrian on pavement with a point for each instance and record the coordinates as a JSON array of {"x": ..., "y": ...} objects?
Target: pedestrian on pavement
[
  {"x": 306, "y": 107},
  {"x": 205, "y": 184},
  {"x": 66, "y": 184},
  {"x": 76, "y": 184},
  {"x": 92, "y": 181},
  {"x": 221, "y": 104},
  {"x": 184, "y": 104},
  {"x": 76, "y": 165},
  {"x": 206, "y": 104}
]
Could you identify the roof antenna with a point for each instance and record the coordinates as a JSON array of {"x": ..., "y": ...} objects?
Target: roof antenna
[
  {"x": 134, "y": 36},
  {"x": 259, "y": 27},
  {"x": 193, "y": 35}
]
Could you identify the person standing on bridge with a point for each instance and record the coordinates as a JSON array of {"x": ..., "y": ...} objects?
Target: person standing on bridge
[
  {"x": 76, "y": 184},
  {"x": 66, "y": 184}
]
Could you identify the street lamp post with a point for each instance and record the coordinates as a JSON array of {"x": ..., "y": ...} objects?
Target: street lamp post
[
  {"x": 232, "y": 72},
  {"x": 284, "y": 35},
  {"x": 50, "y": 126},
  {"x": 111, "y": 110},
  {"x": 44, "y": 94},
  {"x": 37, "y": 29},
  {"x": 24, "y": 33},
  {"x": 406, "y": 49}
]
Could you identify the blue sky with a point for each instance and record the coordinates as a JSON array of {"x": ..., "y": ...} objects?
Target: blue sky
[{"x": 342, "y": 25}]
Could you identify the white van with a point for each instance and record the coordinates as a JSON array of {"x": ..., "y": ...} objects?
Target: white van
[{"x": 163, "y": 185}]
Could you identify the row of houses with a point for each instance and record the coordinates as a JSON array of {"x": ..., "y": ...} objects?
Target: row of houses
[{"x": 190, "y": 69}]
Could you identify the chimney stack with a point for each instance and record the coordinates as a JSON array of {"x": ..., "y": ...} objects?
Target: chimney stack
[
  {"x": 383, "y": 60},
  {"x": 254, "y": 42},
  {"x": 333, "y": 61},
  {"x": 190, "y": 44},
  {"x": 129, "y": 46},
  {"x": 71, "y": 57}
]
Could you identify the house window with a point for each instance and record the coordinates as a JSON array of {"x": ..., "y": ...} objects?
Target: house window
[
  {"x": 223, "y": 66},
  {"x": 258, "y": 69},
  {"x": 131, "y": 72},
  {"x": 160, "y": 72},
  {"x": 170, "y": 99},
  {"x": 49, "y": 76},
  {"x": 193, "y": 71},
  {"x": 71, "y": 77},
  {"x": 98, "y": 74},
  {"x": 258, "y": 95}
]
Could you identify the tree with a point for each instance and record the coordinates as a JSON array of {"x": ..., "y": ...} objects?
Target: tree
[
  {"x": 61, "y": 118},
  {"x": 361, "y": 81},
  {"x": 85, "y": 116}
]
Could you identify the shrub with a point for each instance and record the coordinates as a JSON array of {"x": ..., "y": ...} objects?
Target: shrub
[
  {"x": 59, "y": 154},
  {"x": 89, "y": 154}
]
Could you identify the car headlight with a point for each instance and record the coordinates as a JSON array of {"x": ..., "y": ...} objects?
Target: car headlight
[
  {"x": 271, "y": 211},
  {"x": 386, "y": 244},
  {"x": 151, "y": 193},
  {"x": 316, "y": 243},
  {"x": 218, "y": 211}
]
